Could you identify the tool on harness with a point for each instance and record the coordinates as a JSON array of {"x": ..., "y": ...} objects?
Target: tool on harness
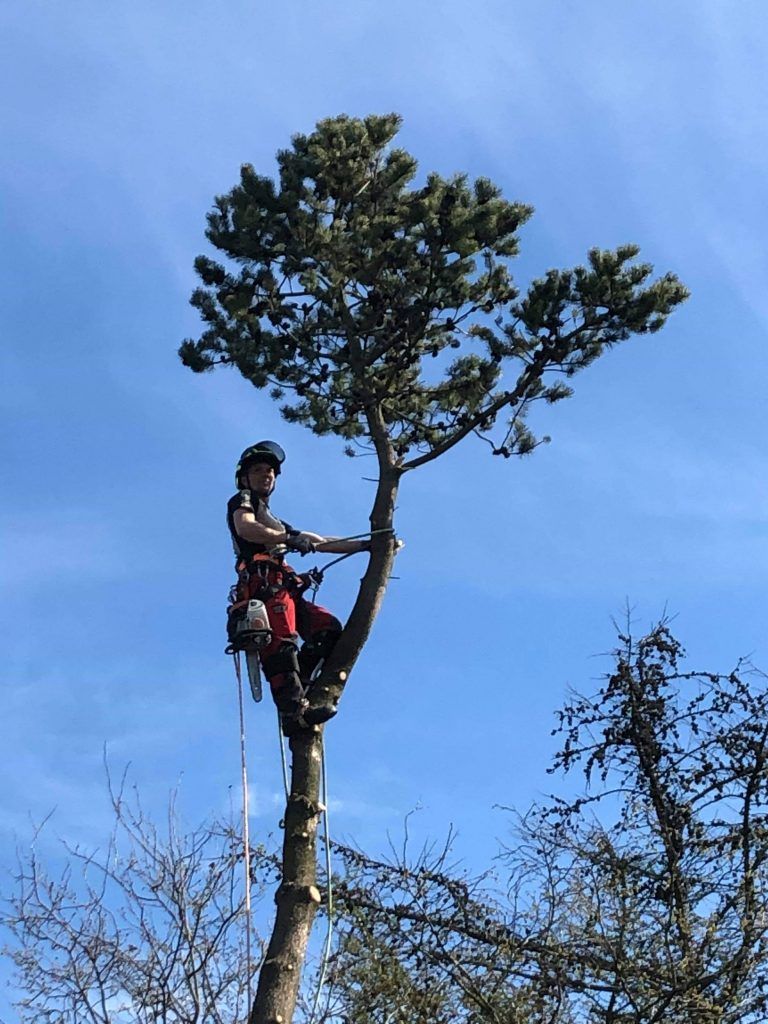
[
  {"x": 250, "y": 628},
  {"x": 249, "y": 631}
]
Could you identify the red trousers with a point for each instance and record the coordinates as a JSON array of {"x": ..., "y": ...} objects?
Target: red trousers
[{"x": 287, "y": 668}]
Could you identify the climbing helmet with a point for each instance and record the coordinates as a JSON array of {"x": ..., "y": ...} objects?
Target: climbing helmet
[{"x": 263, "y": 451}]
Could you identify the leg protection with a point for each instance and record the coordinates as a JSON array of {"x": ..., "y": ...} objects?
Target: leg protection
[
  {"x": 316, "y": 650},
  {"x": 282, "y": 671}
]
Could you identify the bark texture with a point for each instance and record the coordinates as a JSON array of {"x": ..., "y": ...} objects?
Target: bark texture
[
  {"x": 373, "y": 585},
  {"x": 297, "y": 897}
]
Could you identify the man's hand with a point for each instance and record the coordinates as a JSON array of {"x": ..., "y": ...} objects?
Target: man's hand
[{"x": 303, "y": 542}]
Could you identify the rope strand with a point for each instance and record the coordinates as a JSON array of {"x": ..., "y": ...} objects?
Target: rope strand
[
  {"x": 329, "y": 880},
  {"x": 246, "y": 836},
  {"x": 286, "y": 785}
]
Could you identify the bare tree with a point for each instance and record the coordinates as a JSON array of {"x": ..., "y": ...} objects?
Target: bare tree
[
  {"x": 344, "y": 293},
  {"x": 641, "y": 900},
  {"x": 149, "y": 929},
  {"x": 638, "y": 899}
]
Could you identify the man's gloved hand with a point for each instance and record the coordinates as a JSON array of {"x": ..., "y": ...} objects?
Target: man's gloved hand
[
  {"x": 313, "y": 578},
  {"x": 301, "y": 542}
]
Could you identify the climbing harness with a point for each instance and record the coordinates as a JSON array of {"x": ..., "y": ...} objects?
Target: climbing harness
[{"x": 248, "y": 626}]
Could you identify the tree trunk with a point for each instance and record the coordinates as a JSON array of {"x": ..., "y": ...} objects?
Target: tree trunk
[
  {"x": 328, "y": 688},
  {"x": 297, "y": 897}
]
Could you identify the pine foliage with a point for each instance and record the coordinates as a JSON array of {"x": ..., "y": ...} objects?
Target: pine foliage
[{"x": 353, "y": 293}]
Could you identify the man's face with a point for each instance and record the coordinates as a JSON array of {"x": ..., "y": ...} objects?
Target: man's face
[{"x": 261, "y": 478}]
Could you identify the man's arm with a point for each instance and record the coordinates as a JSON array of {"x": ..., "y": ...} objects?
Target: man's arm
[
  {"x": 249, "y": 528},
  {"x": 334, "y": 546}
]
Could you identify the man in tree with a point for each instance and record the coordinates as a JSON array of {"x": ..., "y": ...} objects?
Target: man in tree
[
  {"x": 344, "y": 287},
  {"x": 261, "y": 541}
]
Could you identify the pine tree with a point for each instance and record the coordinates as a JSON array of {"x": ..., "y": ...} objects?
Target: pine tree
[{"x": 344, "y": 287}]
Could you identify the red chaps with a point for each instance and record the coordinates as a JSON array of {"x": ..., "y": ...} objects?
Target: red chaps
[{"x": 287, "y": 668}]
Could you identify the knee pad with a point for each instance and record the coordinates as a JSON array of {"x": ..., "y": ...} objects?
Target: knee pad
[
  {"x": 317, "y": 649},
  {"x": 282, "y": 672},
  {"x": 284, "y": 661}
]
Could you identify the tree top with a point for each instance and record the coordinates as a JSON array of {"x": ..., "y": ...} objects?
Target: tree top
[{"x": 345, "y": 284}]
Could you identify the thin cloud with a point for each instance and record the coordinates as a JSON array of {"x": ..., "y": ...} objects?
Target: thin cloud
[{"x": 70, "y": 543}]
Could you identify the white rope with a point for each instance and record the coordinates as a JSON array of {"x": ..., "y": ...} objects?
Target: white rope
[
  {"x": 329, "y": 887},
  {"x": 246, "y": 836},
  {"x": 286, "y": 785}
]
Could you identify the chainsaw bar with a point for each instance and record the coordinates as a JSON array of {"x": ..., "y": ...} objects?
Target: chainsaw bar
[{"x": 254, "y": 674}]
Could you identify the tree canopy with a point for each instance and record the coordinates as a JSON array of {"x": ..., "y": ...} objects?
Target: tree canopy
[{"x": 345, "y": 278}]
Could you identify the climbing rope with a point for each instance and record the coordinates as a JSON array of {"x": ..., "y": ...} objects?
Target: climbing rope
[
  {"x": 246, "y": 835},
  {"x": 359, "y": 536},
  {"x": 247, "y": 845},
  {"x": 283, "y": 761},
  {"x": 329, "y": 883},
  {"x": 316, "y": 575}
]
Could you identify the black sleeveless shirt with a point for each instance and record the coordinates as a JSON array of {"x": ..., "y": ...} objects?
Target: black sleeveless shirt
[{"x": 248, "y": 501}]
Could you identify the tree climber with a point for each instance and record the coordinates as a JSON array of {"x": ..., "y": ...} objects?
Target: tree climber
[{"x": 261, "y": 541}]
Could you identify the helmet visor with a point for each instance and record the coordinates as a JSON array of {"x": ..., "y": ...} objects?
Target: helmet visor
[{"x": 268, "y": 448}]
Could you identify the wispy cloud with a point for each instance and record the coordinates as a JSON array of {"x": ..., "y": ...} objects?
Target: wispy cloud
[{"x": 50, "y": 542}]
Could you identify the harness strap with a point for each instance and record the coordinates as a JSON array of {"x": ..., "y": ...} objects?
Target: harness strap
[{"x": 271, "y": 573}]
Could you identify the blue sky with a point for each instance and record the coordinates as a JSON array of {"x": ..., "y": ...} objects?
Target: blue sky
[{"x": 634, "y": 122}]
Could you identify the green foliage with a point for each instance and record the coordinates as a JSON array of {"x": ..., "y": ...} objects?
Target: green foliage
[{"x": 344, "y": 281}]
